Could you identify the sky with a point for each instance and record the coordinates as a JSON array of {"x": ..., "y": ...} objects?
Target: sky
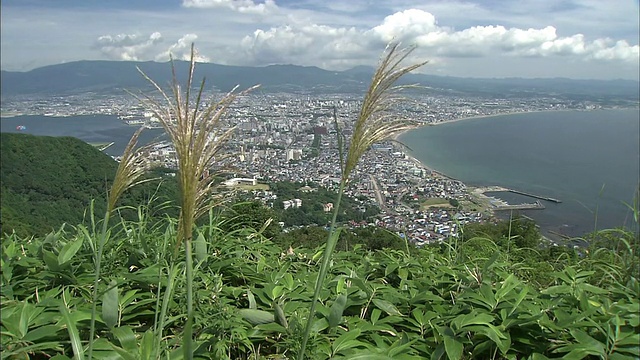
[{"x": 583, "y": 39}]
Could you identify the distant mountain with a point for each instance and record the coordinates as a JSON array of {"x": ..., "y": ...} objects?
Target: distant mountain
[{"x": 114, "y": 76}]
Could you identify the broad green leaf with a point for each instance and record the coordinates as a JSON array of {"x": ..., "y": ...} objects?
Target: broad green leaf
[
  {"x": 588, "y": 343},
  {"x": 593, "y": 289},
  {"x": 279, "y": 315},
  {"x": 375, "y": 315},
  {"x": 147, "y": 349},
  {"x": 557, "y": 290},
  {"x": 126, "y": 337},
  {"x": 345, "y": 341},
  {"x": 126, "y": 355},
  {"x": 35, "y": 335},
  {"x": 256, "y": 317},
  {"x": 200, "y": 247},
  {"x": 271, "y": 327},
  {"x": 519, "y": 299},
  {"x": 471, "y": 319},
  {"x": 618, "y": 356},
  {"x": 628, "y": 338},
  {"x": 51, "y": 260},
  {"x": 76, "y": 344},
  {"x": 387, "y": 307},
  {"x": 401, "y": 346},
  {"x": 252, "y": 300},
  {"x": 508, "y": 285},
  {"x": 337, "y": 308},
  {"x": 319, "y": 325},
  {"x": 453, "y": 347},
  {"x": 24, "y": 319},
  {"x": 537, "y": 356},
  {"x": 69, "y": 251},
  {"x": 110, "y": 305},
  {"x": 370, "y": 357},
  {"x": 390, "y": 269}
]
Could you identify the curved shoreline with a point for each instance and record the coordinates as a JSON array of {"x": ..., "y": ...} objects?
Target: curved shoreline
[{"x": 407, "y": 150}]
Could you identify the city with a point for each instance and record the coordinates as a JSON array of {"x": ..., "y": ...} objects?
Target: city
[{"x": 292, "y": 137}]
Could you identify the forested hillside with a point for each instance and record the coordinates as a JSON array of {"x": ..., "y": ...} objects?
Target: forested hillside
[{"x": 47, "y": 181}]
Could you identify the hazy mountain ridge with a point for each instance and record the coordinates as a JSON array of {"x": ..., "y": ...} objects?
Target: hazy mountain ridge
[{"x": 114, "y": 76}]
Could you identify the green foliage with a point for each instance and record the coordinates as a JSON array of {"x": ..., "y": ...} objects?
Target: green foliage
[
  {"x": 369, "y": 238},
  {"x": 312, "y": 211},
  {"x": 47, "y": 181},
  {"x": 252, "y": 299},
  {"x": 251, "y": 214}
]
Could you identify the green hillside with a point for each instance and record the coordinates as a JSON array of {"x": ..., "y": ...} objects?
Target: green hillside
[{"x": 47, "y": 181}]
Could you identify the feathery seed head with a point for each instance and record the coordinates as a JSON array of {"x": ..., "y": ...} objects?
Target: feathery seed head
[
  {"x": 198, "y": 134},
  {"x": 373, "y": 123},
  {"x": 132, "y": 167}
]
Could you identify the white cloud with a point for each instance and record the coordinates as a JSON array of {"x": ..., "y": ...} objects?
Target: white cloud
[
  {"x": 181, "y": 50},
  {"x": 312, "y": 44},
  {"x": 304, "y": 44},
  {"x": 242, "y": 6},
  {"x": 127, "y": 47},
  {"x": 405, "y": 25}
]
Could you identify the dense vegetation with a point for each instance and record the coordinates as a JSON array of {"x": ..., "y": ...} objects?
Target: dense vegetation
[
  {"x": 48, "y": 181},
  {"x": 252, "y": 296},
  {"x": 496, "y": 292}
]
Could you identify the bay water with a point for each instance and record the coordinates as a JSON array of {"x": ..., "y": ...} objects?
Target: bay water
[
  {"x": 90, "y": 128},
  {"x": 590, "y": 160}
]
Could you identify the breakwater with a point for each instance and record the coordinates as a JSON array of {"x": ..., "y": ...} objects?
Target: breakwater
[{"x": 534, "y": 196}]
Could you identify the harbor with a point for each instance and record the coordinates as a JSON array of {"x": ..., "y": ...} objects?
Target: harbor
[{"x": 501, "y": 205}]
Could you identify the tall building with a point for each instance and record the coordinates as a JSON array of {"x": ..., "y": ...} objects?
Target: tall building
[{"x": 294, "y": 154}]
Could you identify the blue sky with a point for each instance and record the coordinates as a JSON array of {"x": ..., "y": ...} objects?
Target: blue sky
[{"x": 476, "y": 38}]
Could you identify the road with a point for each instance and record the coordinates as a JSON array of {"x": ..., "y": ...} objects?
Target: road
[{"x": 379, "y": 197}]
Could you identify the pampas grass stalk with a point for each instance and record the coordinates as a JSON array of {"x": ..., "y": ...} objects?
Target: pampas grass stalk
[
  {"x": 374, "y": 124},
  {"x": 131, "y": 168},
  {"x": 198, "y": 134}
]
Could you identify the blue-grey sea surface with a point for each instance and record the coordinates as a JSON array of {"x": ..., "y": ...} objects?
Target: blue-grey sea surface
[
  {"x": 588, "y": 159},
  {"x": 90, "y": 128}
]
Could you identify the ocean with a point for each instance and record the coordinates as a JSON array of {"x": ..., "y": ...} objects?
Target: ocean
[
  {"x": 590, "y": 160},
  {"x": 90, "y": 128}
]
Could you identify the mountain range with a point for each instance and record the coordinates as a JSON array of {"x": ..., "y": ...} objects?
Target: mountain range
[{"x": 115, "y": 76}]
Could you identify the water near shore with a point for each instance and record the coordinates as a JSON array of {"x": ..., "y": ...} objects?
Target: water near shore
[
  {"x": 90, "y": 128},
  {"x": 588, "y": 159}
]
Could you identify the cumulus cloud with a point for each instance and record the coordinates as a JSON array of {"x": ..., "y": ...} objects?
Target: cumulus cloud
[
  {"x": 242, "y": 6},
  {"x": 335, "y": 45},
  {"x": 127, "y": 47},
  {"x": 181, "y": 50},
  {"x": 305, "y": 45},
  {"x": 140, "y": 48}
]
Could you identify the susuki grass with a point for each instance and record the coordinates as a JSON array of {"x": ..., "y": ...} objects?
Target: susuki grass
[
  {"x": 130, "y": 171},
  {"x": 198, "y": 134},
  {"x": 374, "y": 124}
]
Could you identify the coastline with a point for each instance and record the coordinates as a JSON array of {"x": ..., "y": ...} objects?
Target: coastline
[
  {"x": 573, "y": 218},
  {"x": 480, "y": 200},
  {"x": 396, "y": 137},
  {"x": 498, "y": 115}
]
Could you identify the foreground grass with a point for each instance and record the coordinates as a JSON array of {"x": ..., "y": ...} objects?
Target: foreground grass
[{"x": 252, "y": 299}]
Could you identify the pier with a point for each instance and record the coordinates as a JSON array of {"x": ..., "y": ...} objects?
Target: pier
[
  {"x": 533, "y": 206},
  {"x": 534, "y": 196}
]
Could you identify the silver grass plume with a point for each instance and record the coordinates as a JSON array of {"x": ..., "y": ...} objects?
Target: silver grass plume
[
  {"x": 197, "y": 134},
  {"x": 373, "y": 123},
  {"x": 133, "y": 165}
]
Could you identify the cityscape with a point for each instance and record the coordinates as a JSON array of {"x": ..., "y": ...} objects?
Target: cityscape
[{"x": 292, "y": 137}]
